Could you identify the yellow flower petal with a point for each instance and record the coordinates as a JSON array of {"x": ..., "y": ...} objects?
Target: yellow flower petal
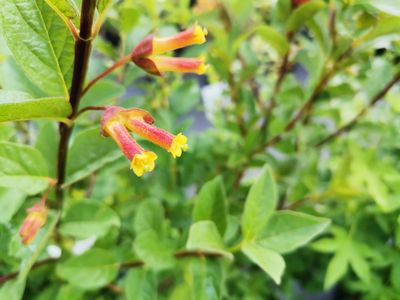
[
  {"x": 179, "y": 144},
  {"x": 142, "y": 163}
]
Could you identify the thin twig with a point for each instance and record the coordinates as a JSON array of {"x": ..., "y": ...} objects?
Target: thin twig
[
  {"x": 350, "y": 124},
  {"x": 88, "y": 108},
  {"x": 38, "y": 264},
  {"x": 116, "y": 65}
]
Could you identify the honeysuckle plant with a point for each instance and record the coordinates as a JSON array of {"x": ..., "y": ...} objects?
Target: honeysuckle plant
[{"x": 261, "y": 139}]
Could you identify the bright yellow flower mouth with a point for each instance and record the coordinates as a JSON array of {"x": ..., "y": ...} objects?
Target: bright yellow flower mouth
[
  {"x": 142, "y": 163},
  {"x": 179, "y": 144}
]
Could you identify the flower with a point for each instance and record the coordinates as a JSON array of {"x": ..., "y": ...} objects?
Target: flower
[
  {"x": 115, "y": 123},
  {"x": 35, "y": 219},
  {"x": 146, "y": 54}
]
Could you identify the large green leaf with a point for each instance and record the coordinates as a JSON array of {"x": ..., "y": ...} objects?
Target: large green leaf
[
  {"x": 12, "y": 290},
  {"x": 22, "y": 167},
  {"x": 140, "y": 284},
  {"x": 303, "y": 13},
  {"x": 155, "y": 251},
  {"x": 91, "y": 270},
  {"x": 10, "y": 201},
  {"x": 16, "y": 106},
  {"x": 149, "y": 216},
  {"x": 86, "y": 219},
  {"x": 260, "y": 204},
  {"x": 204, "y": 236},
  {"x": 211, "y": 204},
  {"x": 385, "y": 27},
  {"x": 268, "y": 260},
  {"x": 89, "y": 152},
  {"x": 288, "y": 230},
  {"x": 40, "y": 42}
]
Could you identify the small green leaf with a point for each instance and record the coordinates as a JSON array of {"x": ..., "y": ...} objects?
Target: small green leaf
[
  {"x": 15, "y": 106},
  {"x": 260, "y": 204},
  {"x": 22, "y": 167},
  {"x": 268, "y": 260},
  {"x": 91, "y": 270},
  {"x": 155, "y": 251},
  {"x": 40, "y": 42},
  {"x": 211, "y": 204},
  {"x": 66, "y": 7},
  {"x": 70, "y": 292},
  {"x": 337, "y": 268},
  {"x": 204, "y": 236},
  {"x": 288, "y": 230},
  {"x": 89, "y": 152},
  {"x": 86, "y": 219},
  {"x": 140, "y": 284},
  {"x": 360, "y": 266},
  {"x": 273, "y": 38},
  {"x": 303, "y": 13},
  {"x": 10, "y": 201}
]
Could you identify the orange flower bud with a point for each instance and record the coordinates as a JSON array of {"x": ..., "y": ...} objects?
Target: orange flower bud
[{"x": 35, "y": 219}]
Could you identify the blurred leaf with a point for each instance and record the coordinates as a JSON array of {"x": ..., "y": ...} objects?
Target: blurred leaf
[
  {"x": 260, "y": 204},
  {"x": 211, "y": 204},
  {"x": 69, "y": 292},
  {"x": 89, "y": 152},
  {"x": 103, "y": 4},
  {"x": 66, "y": 7},
  {"x": 22, "y": 167},
  {"x": 140, "y": 284},
  {"x": 12, "y": 290},
  {"x": 391, "y": 7},
  {"x": 337, "y": 268},
  {"x": 91, "y": 270},
  {"x": 273, "y": 38},
  {"x": 384, "y": 27},
  {"x": 360, "y": 266},
  {"x": 102, "y": 93},
  {"x": 47, "y": 141},
  {"x": 10, "y": 201},
  {"x": 86, "y": 219},
  {"x": 156, "y": 252},
  {"x": 268, "y": 260},
  {"x": 44, "y": 47},
  {"x": 303, "y": 13},
  {"x": 204, "y": 236},
  {"x": 149, "y": 216},
  {"x": 288, "y": 230},
  {"x": 15, "y": 106},
  {"x": 185, "y": 96}
]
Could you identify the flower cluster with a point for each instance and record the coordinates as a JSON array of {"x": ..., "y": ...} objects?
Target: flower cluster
[
  {"x": 35, "y": 219},
  {"x": 116, "y": 122},
  {"x": 146, "y": 54}
]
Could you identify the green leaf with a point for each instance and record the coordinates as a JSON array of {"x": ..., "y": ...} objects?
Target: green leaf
[
  {"x": 10, "y": 201},
  {"x": 288, "y": 230},
  {"x": 67, "y": 7},
  {"x": 273, "y": 38},
  {"x": 149, "y": 216},
  {"x": 70, "y": 292},
  {"x": 47, "y": 141},
  {"x": 337, "y": 268},
  {"x": 40, "y": 42},
  {"x": 15, "y": 106},
  {"x": 140, "y": 284},
  {"x": 86, "y": 219},
  {"x": 102, "y": 93},
  {"x": 12, "y": 290},
  {"x": 40, "y": 241},
  {"x": 211, "y": 204},
  {"x": 91, "y": 270},
  {"x": 155, "y": 251},
  {"x": 360, "y": 266},
  {"x": 260, "y": 204},
  {"x": 89, "y": 152},
  {"x": 391, "y": 7},
  {"x": 384, "y": 27},
  {"x": 22, "y": 167},
  {"x": 102, "y": 5},
  {"x": 268, "y": 260},
  {"x": 184, "y": 96},
  {"x": 204, "y": 236},
  {"x": 303, "y": 13}
]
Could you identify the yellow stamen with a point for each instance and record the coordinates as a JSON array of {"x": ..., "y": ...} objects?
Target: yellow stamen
[
  {"x": 179, "y": 144},
  {"x": 142, "y": 163}
]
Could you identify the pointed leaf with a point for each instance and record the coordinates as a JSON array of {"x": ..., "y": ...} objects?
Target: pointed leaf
[
  {"x": 303, "y": 13},
  {"x": 66, "y": 7}
]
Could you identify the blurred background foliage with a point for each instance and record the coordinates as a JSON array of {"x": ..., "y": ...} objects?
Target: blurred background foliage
[{"x": 282, "y": 77}]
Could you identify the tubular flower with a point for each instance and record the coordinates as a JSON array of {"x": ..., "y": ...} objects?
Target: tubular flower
[
  {"x": 146, "y": 54},
  {"x": 116, "y": 122},
  {"x": 35, "y": 219}
]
